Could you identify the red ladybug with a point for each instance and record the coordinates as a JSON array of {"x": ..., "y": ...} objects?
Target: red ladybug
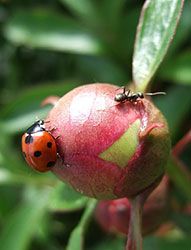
[{"x": 39, "y": 147}]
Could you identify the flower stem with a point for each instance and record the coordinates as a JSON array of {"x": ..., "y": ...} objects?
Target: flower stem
[
  {"x": 180, "y": 146},
  {"x": 176, "y": 152},
  {"x": 134, "y": 241}
]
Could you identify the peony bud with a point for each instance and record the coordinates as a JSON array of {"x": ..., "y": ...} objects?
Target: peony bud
[
  {"x": 107, "y": 149},
  {"x": 113, "y": 216}
]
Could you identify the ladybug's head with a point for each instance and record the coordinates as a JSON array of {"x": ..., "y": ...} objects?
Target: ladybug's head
[{"x": 36, "y": 127}]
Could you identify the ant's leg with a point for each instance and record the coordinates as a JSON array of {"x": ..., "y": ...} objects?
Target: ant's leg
[
  {"x": 128, "y": 92},
  {"x": 122, "y": 87}
]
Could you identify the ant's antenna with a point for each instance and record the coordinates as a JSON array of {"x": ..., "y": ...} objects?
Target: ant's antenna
[{"x": 155, "y": 93}]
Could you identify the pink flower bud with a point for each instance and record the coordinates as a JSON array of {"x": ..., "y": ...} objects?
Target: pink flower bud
[
  {"x": 107, "y": 149},
  {"x": 113, "y": 216}
]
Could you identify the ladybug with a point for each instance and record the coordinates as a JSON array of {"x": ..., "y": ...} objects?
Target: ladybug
[{"x": 39, "y": 147}]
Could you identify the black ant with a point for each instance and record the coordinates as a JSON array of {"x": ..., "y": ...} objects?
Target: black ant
[{"x": 128, "y": 95}]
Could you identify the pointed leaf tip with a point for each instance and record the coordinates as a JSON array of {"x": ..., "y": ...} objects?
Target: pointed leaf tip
[{"x": 155, "y": 31}]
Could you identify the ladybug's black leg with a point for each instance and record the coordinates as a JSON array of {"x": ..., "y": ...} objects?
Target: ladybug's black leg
[
  {"x": 52, "y": 129},
  {"x": 46, "y": 121},
  {"x": 57, "y": 137}
]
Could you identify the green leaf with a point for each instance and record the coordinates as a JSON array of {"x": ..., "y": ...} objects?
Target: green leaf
[
  {"x": 183, "y": 30},
  {"x": 100, "y": 68},
  {"x": 77, "y": 236},
  {"x": 180, "y": 177},
  {"x": 14, "y": 169},
  {"x": 178, "y": 69},
  {"x": 25, "y": 109},
  {"x": 128, "y": 24},
  {"x": 156, "y": 28},
  {"x": 112, "y": 12},
  {"x": 64, "y": 199},
  {"x": 18, "y": 124},
  {"x": 76, "y": 239},
  {"x": 155, "y": 243},
  {"x": 8, "y": 177},
  {"x": 83, "y": 8},
  {"x": 22, "y": 225},
  {"x": 10, "y": 197},
  {"x": 48, "y": 30},
  {"x": 182, "y": 220},
  {"x": 172, "y": 102},
  {"x": 111, "y": 244}
]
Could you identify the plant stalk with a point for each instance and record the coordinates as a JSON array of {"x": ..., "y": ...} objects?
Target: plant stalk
[
  {"x": 134, "y": 241},
  {"x": 180, "y": 146}
]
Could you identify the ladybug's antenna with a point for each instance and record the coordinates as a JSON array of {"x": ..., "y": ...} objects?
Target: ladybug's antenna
[{"x": 155, "y": 93}]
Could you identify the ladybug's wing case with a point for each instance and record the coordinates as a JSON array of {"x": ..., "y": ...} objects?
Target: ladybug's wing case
[
  {"x": 25, "y": 149},
  {"x": 41, "y": 152}
]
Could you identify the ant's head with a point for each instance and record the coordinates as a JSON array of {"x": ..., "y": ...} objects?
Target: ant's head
[{"x": 141, "y": 95}]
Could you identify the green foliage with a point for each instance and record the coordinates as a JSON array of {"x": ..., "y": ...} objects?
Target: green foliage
[
  {"x": 24, "y": 221},
  {"x": 110, "y": 243},
  {"x": 178, "y": 71},
  {"x": 156, "y": 27},
  {"x": 179, "y": 177},
  {"x": 48, "y": 30},
  {"x": 65, "y": 199},
  {"x": 84, "y": 9},
  {"x": 175, "y": 103},
  {"x": 21, "y": 113},
  {"x": 50, "y": 47},
  {"x": 76, "y": 240},
  {"x": 166, "y": 244}
]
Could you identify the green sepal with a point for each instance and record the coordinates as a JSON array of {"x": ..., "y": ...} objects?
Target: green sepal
[{"x": 124, "y": 148}]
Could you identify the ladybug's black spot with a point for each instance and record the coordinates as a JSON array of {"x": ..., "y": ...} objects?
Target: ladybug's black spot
[
  {"x": 24, "y": 154},
  {"x": 50, "y": 164},
  {"x": 49, "y": 144},
  {"x": 29, "y": 139},
  {"x": 37, "y": 153}
]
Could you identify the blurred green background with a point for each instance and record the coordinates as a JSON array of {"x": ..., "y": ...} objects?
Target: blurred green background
[{"x": 48, "y": 48}]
